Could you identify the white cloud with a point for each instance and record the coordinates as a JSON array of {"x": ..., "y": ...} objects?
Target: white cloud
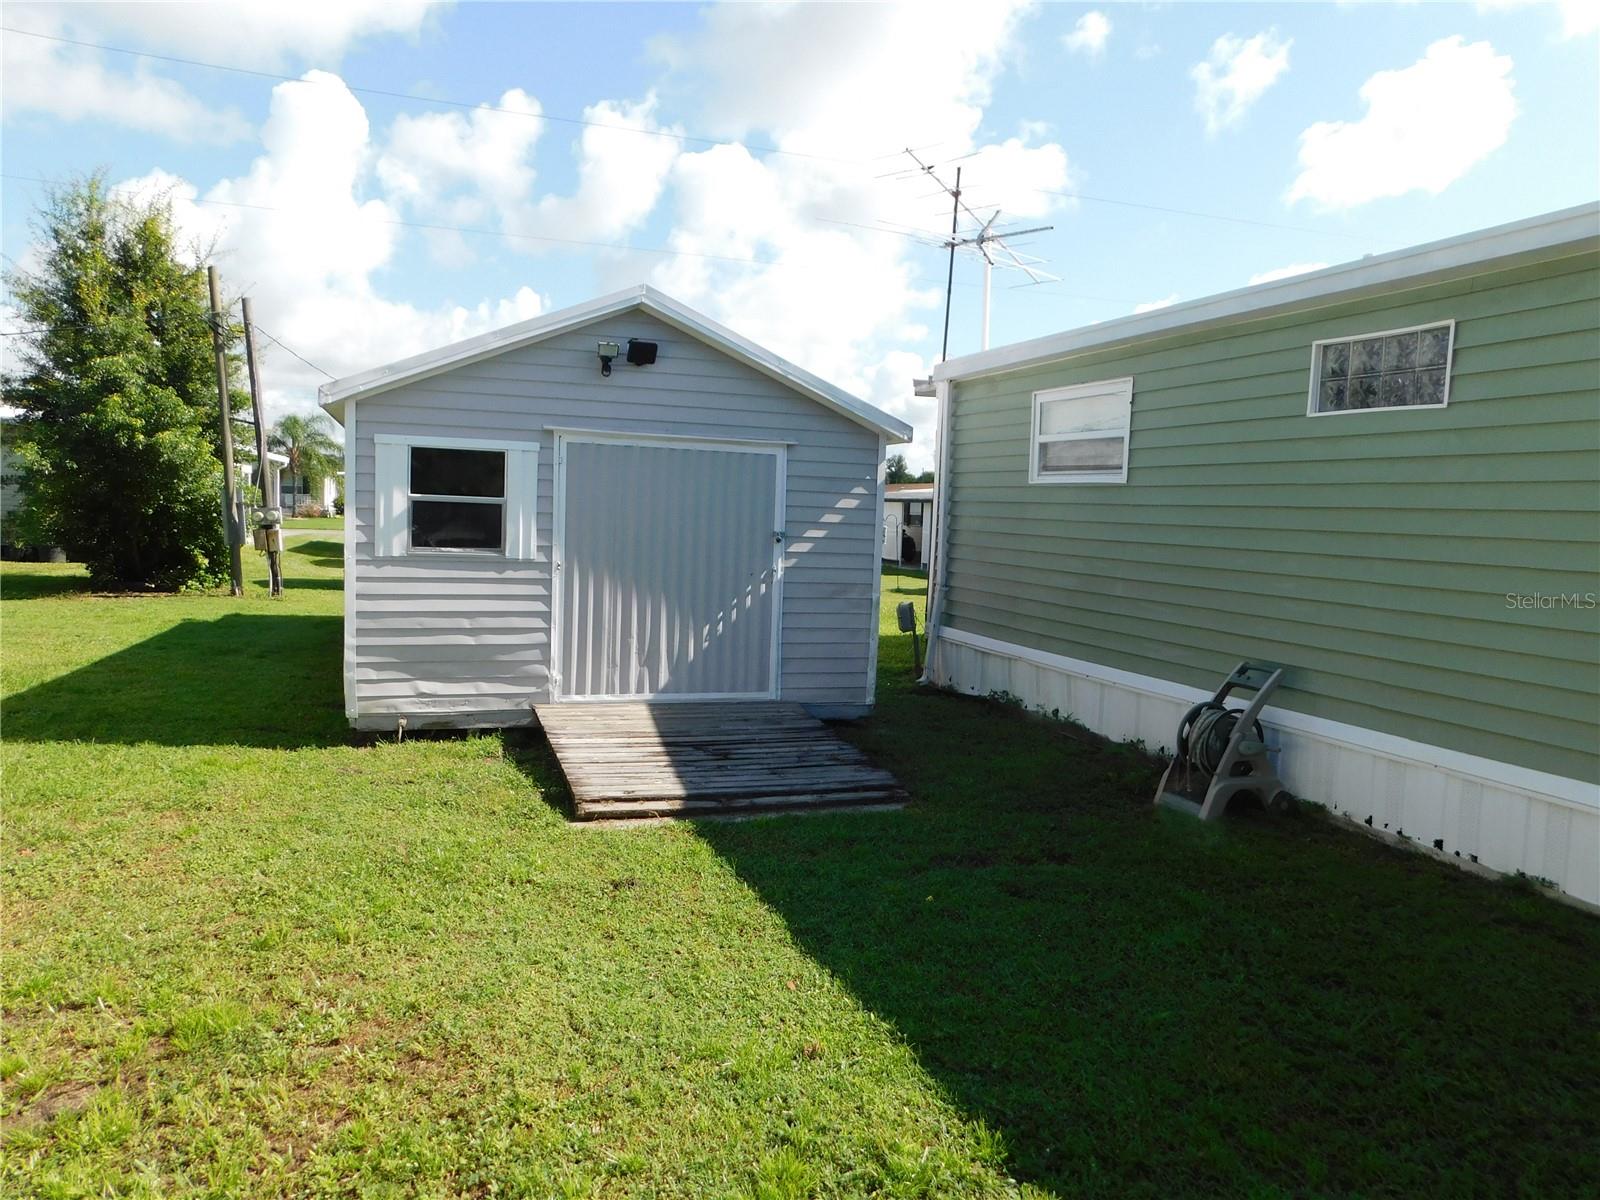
[
  {"x": 840, "y": 89},
  {"x": 1286, "y": 272},
  {"x": 74, "y": 84},
  {"x": 1237, "y": 74},
  {"x": 272, "y": 36},
  {"x": 473, "y": 168},
  {"x": 853, "y": 83},
  {"x": 1425, "y": 127},
  {"x": 621, "y": 172},
  {"x": 77, "y": 83},
  {"x": 1152, "y": 305},
  {"x": 1089, "y": 35},
  {"x": 478, "y": 168},
  {"x": 1578, "y": 17},
  {"x": 295, "y": 233}
]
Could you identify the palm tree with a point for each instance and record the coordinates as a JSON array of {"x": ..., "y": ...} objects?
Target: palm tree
[{"x": 309, "y": 445}]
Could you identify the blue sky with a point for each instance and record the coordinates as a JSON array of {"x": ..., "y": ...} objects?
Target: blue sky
[{"x": 1321, "y": 131}]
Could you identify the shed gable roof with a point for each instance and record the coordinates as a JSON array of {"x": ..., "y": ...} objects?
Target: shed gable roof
[{"x": 334, "y": 395}]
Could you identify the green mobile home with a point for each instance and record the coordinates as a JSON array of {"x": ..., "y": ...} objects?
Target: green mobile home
[{"x": 1384, "y": 476}]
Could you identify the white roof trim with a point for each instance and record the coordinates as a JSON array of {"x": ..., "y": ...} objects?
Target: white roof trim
[
  {"x": 333, "y": 396},
  {"x": 1551, "y": 235}
]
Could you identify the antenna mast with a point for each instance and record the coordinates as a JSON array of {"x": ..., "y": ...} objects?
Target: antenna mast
[{"x": 988, "y": 242}]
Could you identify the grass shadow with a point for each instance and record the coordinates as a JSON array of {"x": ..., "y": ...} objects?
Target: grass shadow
[
  {"x": 243, "y": 680},
  {"x": 320, "y": 552},
  {"x": 1142, "y": 1005},
  {"x": 530, "y": 752},
  {"x": 20, "y": 586}
]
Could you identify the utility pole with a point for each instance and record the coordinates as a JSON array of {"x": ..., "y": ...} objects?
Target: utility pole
[
  {"x": 230, "y": 501},
  {"x": 264, "y": 472}
]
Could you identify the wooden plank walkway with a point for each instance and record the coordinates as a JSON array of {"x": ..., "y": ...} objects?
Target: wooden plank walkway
[{"x": 703, "y": 758}]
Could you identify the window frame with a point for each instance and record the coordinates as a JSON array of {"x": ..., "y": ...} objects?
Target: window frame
[
  {"x": 1315, "y": 386},
  {"x": 412, "y": 496},
  {"x": 1121, "y": 387},
  {"x": 520, "y": 489}
]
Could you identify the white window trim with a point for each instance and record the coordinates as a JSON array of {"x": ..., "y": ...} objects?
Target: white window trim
[
  {"x": 1316, "y": 370},
  {"x": 1122, "y": 387},
  {"x": 505, "y": 446}
]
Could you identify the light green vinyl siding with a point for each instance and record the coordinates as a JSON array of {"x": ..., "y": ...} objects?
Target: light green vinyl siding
[{"x": 1370, "y": 552}]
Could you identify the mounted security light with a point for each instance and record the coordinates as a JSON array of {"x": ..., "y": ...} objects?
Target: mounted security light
[
  {"x": 640, "y": 353},
  {"x": 606, "y": 352}
]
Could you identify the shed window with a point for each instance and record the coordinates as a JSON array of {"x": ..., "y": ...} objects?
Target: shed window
[
  {"x": 457, "y": 499},
  {"x": 1080, "y": 433},
  {"x": 453, "y": 495},
  {"x": 1399, "y": 368}
]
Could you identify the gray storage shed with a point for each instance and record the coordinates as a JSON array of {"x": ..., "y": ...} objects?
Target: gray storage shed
[{"x": 618, "y": 501}]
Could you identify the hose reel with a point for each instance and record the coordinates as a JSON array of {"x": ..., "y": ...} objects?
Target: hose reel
[{"x": 1221, "y": 750}]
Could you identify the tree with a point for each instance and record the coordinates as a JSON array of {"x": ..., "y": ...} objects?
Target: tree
[
  {"x": 118, "y": 432},
  {"x": 309, "y": 445},
  {"x": 895, "y": 469},
  {"x": 925, "y": 477}
]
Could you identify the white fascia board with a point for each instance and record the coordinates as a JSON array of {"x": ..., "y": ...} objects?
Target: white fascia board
[
  {"x": 332, "y": 396},
  {"x": 1552, "y": 235}
]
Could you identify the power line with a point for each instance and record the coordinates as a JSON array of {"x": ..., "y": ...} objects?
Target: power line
[
  {"x": 466, "y": 104},
  {"x": 534, "y": 237},
  {"x": 667, "y": 133},
  {"x": 270, "y": 337},
  {"x": 1190, "y": 212},
  {"x": 276, "y": 342},
  {"x": 437, "y": 228}
]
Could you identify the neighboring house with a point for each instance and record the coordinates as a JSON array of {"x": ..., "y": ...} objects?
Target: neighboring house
[
  {"x": 905, "y": 512},
  {"x": 10, "y": 487},
  {"x": 1384, "y": 476},
  {"x": 533, "y": 518},
  {"x": 298, "y": 493},
  {"x": 275, "y": 464}
]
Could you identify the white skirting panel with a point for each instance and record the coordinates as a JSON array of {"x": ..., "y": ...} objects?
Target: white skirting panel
[{"x": 1460, "y": 807}]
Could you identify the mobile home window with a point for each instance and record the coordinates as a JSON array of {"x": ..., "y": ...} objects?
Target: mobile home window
[
  {"x": 1398, "y": 368},
  {"x": 457, "y": 499},
  {"x": 1080, "y": 433}
]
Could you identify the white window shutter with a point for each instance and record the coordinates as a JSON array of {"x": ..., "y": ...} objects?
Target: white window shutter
[
  {"x": 522, "y": 487},
  {"x": 391, "y": 515}
]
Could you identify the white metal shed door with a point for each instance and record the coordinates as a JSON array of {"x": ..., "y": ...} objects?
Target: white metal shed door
[{"x": 668, "y": 571}]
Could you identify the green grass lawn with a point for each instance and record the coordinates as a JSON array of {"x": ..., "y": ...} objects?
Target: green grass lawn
[
  {"x": 244, "y": 956},
  {"x": 313, "y": 522}
]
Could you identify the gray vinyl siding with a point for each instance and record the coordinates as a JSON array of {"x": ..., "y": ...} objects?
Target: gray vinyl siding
[
  {"x": 1370, "y": 552},
  {"x": 472, "y": 635}
]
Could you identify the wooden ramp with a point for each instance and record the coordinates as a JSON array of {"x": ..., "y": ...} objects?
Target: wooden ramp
[{"x": 697, "y": 759}]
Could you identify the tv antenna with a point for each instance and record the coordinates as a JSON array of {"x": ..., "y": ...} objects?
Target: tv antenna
[{"x": 988, "y": 242}]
